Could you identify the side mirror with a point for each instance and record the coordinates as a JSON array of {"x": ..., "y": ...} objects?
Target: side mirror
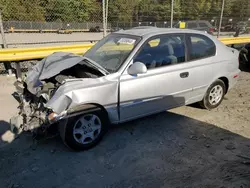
[{"x": 137, "y": 68}]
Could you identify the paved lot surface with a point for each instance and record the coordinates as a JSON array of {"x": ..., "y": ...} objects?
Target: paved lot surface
[
  {"x": 39, "y": 38},
  {"x": 185, "y": 147}
]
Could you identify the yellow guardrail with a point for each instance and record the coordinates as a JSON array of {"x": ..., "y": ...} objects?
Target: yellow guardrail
[
  {"x": 43, "y": 30},
  {"x": 23, "y": 54},
  {"x": 31, "y": 30},
  {"x": 236, "y": 40}
]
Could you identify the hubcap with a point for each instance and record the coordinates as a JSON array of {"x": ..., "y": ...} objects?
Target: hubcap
[
  {"x": 87, "y": 128},
  {"x": 215, "y": 95}
]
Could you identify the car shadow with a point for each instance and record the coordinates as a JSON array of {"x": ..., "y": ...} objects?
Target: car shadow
[
  {"x": 162, "y": 150},
  {"x": 195, "y": 105},
  {"x": 4, "y": 126}
]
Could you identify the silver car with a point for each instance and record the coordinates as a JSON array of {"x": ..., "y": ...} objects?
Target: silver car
[{"x": 127, "y": 75}]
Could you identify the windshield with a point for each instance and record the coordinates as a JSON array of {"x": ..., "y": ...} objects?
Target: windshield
[{"x": 111, "y": 51}]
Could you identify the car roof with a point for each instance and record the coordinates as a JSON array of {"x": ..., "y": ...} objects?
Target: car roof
[{"x": 156, "y": 31}]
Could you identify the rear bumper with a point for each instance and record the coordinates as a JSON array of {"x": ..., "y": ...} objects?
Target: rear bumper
[{"x": 233, "y": 79}]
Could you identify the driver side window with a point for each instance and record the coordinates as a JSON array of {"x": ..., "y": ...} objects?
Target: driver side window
[{"x": 162, "y": 50}]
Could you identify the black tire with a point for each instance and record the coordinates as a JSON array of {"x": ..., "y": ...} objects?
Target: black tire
[
  {"x": 205, "y": 102},
  {"x": 69, "y": 135}
]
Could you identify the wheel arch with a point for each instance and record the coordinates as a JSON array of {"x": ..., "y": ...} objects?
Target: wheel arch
[
  {"x": 226, "y": 82},
  {"x": 88, "y": 107}
]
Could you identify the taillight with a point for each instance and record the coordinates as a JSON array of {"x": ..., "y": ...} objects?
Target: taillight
[{"x": 211, "y": 30}]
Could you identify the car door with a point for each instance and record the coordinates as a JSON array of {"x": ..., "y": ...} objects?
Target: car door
[
  {"x": 202, "y": 51},
  {"x": 167, "y": 83}
]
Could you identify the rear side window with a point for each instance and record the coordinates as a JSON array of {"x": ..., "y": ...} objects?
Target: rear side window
[
  {"x": 192, "y": 25},
  {"x": 201, "y": 47},
  {"x": 203, "y": 25}
]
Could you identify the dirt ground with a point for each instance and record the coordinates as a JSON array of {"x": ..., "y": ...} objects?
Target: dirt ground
[{"x": 184, "y": 147}]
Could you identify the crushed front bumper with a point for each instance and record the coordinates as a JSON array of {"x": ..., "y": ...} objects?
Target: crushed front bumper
[{"x": 16, "y": 123}]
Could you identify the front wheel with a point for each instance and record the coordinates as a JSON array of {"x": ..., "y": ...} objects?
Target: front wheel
[
  {"x": 214, "y": 95},
  {"x": 86, "y": 130}
]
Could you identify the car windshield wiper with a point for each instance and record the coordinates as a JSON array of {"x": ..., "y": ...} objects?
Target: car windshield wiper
[{"x": 97, "y": 66}]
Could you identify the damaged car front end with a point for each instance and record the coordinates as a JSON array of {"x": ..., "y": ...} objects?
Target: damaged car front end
[{"x": 38, "y": 110}]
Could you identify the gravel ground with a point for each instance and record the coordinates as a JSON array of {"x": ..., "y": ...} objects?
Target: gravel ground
[{"x": 184, "y": 147}]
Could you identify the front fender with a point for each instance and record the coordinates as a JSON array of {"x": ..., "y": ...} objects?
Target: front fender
[{"x": 73, "y": 94}]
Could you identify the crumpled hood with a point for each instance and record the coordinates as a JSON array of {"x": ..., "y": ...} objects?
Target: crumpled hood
[
  {"x": 72, "y": 92},
  {"x": 49, "y": 67}
]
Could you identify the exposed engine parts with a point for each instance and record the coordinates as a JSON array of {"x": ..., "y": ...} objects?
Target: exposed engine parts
[{"x": 40, "y": 84}]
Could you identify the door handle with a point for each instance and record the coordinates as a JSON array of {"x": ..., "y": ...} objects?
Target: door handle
[{"x": 184, "y": 74}]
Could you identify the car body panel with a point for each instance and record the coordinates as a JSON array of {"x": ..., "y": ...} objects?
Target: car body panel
[{"x": 158, "y": 89}]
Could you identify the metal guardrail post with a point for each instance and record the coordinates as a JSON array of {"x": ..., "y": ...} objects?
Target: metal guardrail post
[
  {"x": 18, "y": 71},
  {"x": 6, "y": 65},
  {"x": 104, "y": 20},
  {"x": 172, "y": 13},
  {"x": 221, "y": 16},
  {"x": 2, "y": 31}
]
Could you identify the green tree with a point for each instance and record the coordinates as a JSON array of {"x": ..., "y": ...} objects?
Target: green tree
[
  {"x": 72, "y": 10},
  {"x": 155, "y": 10},
  {"x": 33, "y": 10},
  {"x": 122, "y": 10},
  {"x": 240, "y": 10},
  {"x": 24, "y": 10}
]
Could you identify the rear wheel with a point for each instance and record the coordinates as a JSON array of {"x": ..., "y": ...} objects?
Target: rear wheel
[
  {"x": 86, "y": 130},
  {"x": 214, "y": 95}
]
